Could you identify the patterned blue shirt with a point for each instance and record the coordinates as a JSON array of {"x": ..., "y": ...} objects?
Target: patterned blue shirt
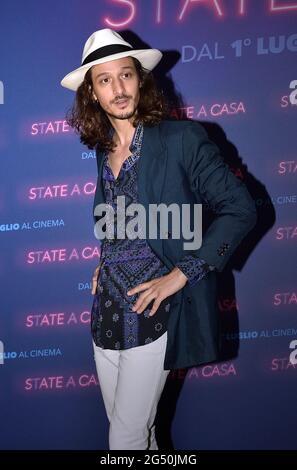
[{"x": 127, "y": 262}]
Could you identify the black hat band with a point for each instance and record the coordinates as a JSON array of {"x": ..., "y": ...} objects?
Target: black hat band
[{"x": 106, "y": 51}]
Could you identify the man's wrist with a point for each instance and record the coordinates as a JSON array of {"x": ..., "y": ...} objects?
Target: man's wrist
[{"x": 179, "y": 274}]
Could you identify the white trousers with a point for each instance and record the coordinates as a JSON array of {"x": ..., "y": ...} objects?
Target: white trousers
[{"x": 131, "y": 382}]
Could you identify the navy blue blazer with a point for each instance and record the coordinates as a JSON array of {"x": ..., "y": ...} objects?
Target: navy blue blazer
[{"x": 180, "y": 164}]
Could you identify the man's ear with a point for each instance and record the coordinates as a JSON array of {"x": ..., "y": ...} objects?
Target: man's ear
[{"x": 94, "y": 97}]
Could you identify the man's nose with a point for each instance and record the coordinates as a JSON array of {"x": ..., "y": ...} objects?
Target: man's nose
[{"x": 118, "y": 87}]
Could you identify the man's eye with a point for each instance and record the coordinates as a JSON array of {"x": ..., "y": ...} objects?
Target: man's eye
[{"x": 125, "y": 74}]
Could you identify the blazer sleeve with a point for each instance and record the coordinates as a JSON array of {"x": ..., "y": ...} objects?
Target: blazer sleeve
[
  {"x": 194, "y": 268},
  {"x": 210, "y": 177}
]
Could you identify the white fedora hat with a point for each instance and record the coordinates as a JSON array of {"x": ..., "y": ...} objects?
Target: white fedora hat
[{"x": 105, "y": 45}]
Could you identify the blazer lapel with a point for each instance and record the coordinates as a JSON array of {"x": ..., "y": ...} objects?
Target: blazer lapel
[
  {"x": 151, "y": 174},
  {"x": 99, "y": 195}
]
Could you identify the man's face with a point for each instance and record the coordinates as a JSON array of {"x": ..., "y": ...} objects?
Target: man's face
[{"x": 116, "y": 86}]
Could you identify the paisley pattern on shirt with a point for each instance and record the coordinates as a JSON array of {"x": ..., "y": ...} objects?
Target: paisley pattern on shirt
[{"x": 125, "y": 264}]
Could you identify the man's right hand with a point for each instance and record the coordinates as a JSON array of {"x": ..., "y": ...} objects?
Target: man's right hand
[{"x": 95, "y": 279}]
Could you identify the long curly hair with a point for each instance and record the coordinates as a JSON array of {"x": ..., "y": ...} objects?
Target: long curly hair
[{"x": 90, "y": 121}]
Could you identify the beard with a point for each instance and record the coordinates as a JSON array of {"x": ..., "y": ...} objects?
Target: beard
[{"x": 122, "y": 115}]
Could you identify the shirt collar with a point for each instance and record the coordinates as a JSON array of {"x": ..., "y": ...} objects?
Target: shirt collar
[
  {"x": 136, "y": 139},
  {"x": 134, "y": 148}
]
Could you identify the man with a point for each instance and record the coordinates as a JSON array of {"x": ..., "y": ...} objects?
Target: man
[{"x": 155, "y": 305}]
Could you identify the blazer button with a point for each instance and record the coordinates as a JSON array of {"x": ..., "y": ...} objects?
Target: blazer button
[{"x": 189, "y": 299}]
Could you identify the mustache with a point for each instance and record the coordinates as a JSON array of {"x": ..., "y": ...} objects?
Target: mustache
[{"x": 121, "y": 98}]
